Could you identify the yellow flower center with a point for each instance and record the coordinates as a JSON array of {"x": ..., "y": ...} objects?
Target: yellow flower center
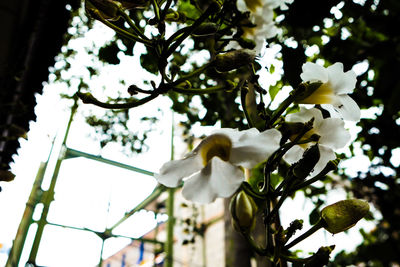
[
  {"x": 305, "y": 137},
  {"x": 323, "y": 95},
  {"x": 252, "y": 5},
  {"x": 249, "y": 31},
  {"x": 216, "y": 145}
]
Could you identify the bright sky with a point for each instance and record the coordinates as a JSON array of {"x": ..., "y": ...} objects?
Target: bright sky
[
  {"x": 85, "y": 188},
  {"x": 88, "y": 193},
  {"x": 94, "y": 195}
]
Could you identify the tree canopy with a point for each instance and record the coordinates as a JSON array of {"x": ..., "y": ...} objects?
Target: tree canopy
[{"x": 192, "y": 49}]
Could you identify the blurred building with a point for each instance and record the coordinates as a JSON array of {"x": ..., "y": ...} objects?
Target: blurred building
[{"x": 198, "y": 239}]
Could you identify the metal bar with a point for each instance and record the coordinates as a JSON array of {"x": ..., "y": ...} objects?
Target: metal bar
[
  {"x": 48, "y": 196},
  {"x": 154, "y": 195},
  {"x": 71, "y": 153},
  {"x": 101, "y": 253},
  {"x": 169, "y": 248},
  {"x": 26, "y": 221},
  {"x": 148, "y": 240}
]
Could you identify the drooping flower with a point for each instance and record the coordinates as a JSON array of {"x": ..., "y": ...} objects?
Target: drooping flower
[
  {"x": 332, "y": 134},
  {"x": 262, "y": 16},
  {"x": 333, "y": 93},
  {"x": 213, "y": 168}
]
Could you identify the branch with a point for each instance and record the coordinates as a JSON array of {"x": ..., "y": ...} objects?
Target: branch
[{"x": 88, "y": 98}]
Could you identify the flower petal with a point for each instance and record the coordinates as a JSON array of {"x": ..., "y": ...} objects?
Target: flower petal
[
  {"x": 333, "y": 134},
  {"x": 254, "y": 149},
  {"x": 348, "y": 108},
  {"x": 294, "y": 154},
  {"x": 217, "y": 179},
  {"x": 304, "y": 115},
  {"x": 313, "y": 72},
  {"x": 341, "y": 82},
  {"x": 326, "y": 155},
  {"x": 172, "y": 172},
  {"x": 233, "y": 134}
]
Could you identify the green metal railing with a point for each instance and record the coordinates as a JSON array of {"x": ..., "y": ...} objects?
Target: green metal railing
[{"x": 38, "y": 195}]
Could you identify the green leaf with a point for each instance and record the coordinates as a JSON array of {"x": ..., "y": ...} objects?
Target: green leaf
[
  {"x": 109, "y": 53},
  {"x": 149, "y": 62},
  {"x": 273, "y": 91}
]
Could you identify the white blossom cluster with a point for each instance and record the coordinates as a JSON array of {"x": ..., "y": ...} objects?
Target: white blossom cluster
[
  {"x": 261, "y": 15},
  {"x": 215, "y": 168}
]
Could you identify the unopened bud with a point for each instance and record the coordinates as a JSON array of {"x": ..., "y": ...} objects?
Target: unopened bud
[
  {"x": 291, "y": 129},
  {"x": 321, "y": 258},
  {"x": 205, "y": 29},
  {"x": 234, "y": 59},
  {"x": 132, "y": 4},
  {"x": 243, "y": 211},
  {"x": 343, "y": 215},
  {"x": 246, "y": 43},
  {"x": 108, "y": 9},
  {"x": 305, "y": 166}
]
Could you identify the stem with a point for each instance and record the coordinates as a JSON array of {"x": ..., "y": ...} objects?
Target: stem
[
  {"x": 132, "y": 25},
  {"x": 123, "y": 32},
  {"x": 176, "y": 35},
  {"x": 245, "y": 186},
  {"x": 90, "y": 99},
  {"x": 210, "y": 10},
  {"x": 293, "y": 259},
  {"x": 257, "y": 249},
  {"x": 208, "y": 90},
  {"x": 281, "y": 200},
  {"x": 243, "y": 93},
  {"x": 278, "y": 154},
  {"x": 182, "y": 79},
  {"x": 156, "y": 9},
  {"x": 165, "y": 10},
  {"x": 329, "y": 167},
  {"x": 282, "y": 107},
  {"x": 312, "y": 230}
]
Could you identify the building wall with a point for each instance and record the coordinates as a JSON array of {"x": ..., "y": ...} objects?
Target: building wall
[{"x": 190, "y": 248}]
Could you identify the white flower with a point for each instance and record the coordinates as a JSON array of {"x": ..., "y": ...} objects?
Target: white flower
[
  {"x": 213, "y": 168},
  {"x": 262, "y": 15},
  {"x": 333, "y": 93},
  {"x": 332, "y": 134},
  {"x": 282, "y": 4}
]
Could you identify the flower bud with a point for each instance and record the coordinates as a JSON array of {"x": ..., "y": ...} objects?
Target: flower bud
[
  {"x": 234, "y": 59},
  {"x": 205, "y": 29},
  {"x": 243, "y": 211},
  {"x": 291, "y": 129},
  {"x": 246, "y": 43},
  {"x": 108, "y": 9},
  {"x": 131, "y": 4},
  {"x": 343, "y": 215},
  {"x": 321, "y": 258},
  {"x": 305, "y": 165}
]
